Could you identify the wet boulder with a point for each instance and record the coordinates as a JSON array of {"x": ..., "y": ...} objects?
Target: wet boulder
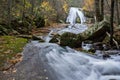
[
  {"x": 70, "y": 39},
  {"x": 35, "y": 37},
  {"x": 96, "y": 32},
  {"x": 55, "y": 39}
]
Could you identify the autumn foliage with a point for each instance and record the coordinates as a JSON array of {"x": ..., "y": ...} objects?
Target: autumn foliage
[{"x": 88, "y": 5}]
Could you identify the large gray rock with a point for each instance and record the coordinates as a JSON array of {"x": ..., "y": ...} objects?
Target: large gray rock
[{"x": 96, "y": 32}]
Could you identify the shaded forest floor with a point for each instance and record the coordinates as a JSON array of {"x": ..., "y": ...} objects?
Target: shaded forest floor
[{"x": 10, "y": 49}]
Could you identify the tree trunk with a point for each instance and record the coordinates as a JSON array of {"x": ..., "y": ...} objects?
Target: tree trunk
[
  {"x": 97, "y": 10},
  {"x": 23, "y": 12},
  {"x": 32, "y": 7},
  {"x": 102, "y": 9},
  {"x": 9, "y": 13},
  {"x": 117, "y": 10},
  {"x": 111, "y": 22}
]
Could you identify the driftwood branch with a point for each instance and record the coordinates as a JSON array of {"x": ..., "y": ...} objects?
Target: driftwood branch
[{"x": 116, "y": 43}]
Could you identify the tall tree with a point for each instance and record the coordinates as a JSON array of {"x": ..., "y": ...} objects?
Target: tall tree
[
  {"x": 32, "y": 7},
  {"x": 97, "y": 10},
  {"x": 9, "y": 2},
  {"x": 117, "y": 10},
  {"x": 102, "y": 9},
  {"x": 23, "y": 10},
  {"x": 111, "y": 22}
]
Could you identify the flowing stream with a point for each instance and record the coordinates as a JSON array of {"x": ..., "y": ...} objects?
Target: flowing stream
[{"x": 69, "y": 64}]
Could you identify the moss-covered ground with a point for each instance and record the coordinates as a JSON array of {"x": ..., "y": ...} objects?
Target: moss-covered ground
[{"x": 10, "y": 46}]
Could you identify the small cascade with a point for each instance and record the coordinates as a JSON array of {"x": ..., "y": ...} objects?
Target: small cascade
[
  {"x": 74, "y": 27},
  {"x": 48, "y": 37},
  {"x": 73, "y": 14}
]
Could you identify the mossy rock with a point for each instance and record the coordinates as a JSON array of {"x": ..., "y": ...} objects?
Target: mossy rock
[
  {"x": 35, "y": 37},
  {"x": 70, "y": 39},
  {"x": 55, "y": 39},
  {"x": 96, "y": 32}
]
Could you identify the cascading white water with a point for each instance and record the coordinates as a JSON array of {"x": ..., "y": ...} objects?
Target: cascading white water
[
  {"x": 73, "y": 14},
  {"x": 74, "y": 27},
  {"x": 48, "y": 37},
  {"x": 69, "y": 64},
  {"x": 78, "y": 28}
]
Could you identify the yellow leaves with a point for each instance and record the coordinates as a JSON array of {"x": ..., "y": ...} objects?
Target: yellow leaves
[
  {"x": 27, "y": 4},
  {"x": 46, "y": 6},
  {"x": 47, "y": 11},
  {"x": 17, "y": 14},
  {"x": 88, "y": 5},
  {"x": 65, "y": 7}
]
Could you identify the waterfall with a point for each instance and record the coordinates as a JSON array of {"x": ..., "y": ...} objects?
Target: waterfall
[
  {"x": 74, "y": 27},
  {"x": 69, "y": 64},
  {"x": 73, "y": 14},
  {"x": 48, "y": 37}
]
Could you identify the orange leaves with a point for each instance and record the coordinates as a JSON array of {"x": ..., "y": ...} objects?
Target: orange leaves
[{"x": 16, "y": 59}]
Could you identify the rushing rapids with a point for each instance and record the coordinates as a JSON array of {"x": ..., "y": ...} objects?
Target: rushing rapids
[
  {"x": 69, "y": 64},
  {"x": 58, "y": 63}
]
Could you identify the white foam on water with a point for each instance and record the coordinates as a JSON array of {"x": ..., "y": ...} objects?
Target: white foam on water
[
  {"x": 76, "y": 29},
  {"x": 69, "y": 64},
  {"x": 73, "y": 14}
]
